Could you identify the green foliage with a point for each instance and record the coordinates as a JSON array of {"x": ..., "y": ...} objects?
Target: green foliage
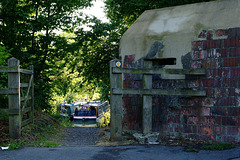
[
  {"x": 15, "y": 144},
  {"x": 3, "y": 115},
  {"x": 63, "y": 121},
  {"x": 104, "y": 120},
  {"x": 125, "y": 12},
  {"x": 29, "y": 28},
  {"x": 218, "y": 146},
  {"x": 191, "y": 149}
]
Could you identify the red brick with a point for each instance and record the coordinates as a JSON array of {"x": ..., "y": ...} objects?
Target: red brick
[
  {"x": 217, "y": 130},
  {"x": 229, "y": 138},
  {"x": 196, "y": 65},
  {"x": 208, "y": 120},
  {"x": 230, "y": 62},
  {"x": 234, "y": 72},
  {"x": 194, "y": 84},
  {"x": 208, "y": 137},
  {"x": 193, "y": 120},
  {"x": 228, "y": 101},
  {"x": 221, "y": 92},
  {"x": 208, "y": 102},
  {"x": 232, "y": 130},
  {"x": 232, "y": 52},
  {"x": 195, "y": 55},
  {"x": 127, "y": 84},
  {"x": 196, "y": 45},
  {"x": 231, "y": 91},
  {"x": 220, "y": 33},
  {"x": 219, "y": 111},
  {"x": 174, "y": 119},
  {"x": 208, "y": 44},
  {"x": 232, "y": 32},
  {"x": 209, "y": 73},
  {"x": 227, "y": 43},
  {"x": 186, "y": 111},
  {"x": 209, "y": 35},
  {"x": 237, "y": 52},
  {"x": 229, "y": 121},
  {"x": 209, "y": 63},
  {"x": 233, "y": 111},
  {"x": 208, "y": 82},
  {"x": 209, "y": 92},
  {"x": 202, "y": 54},
  {"x": 203, "y": 34},
  {"x": 205, "y": 111},
  {"x": 194, "y": 136},
  {"x": 222, "y": 52},
  {"x": 190, "y": 129},
  {"x": 206, "y": 130},
  {"x": 229, "y": 82}
]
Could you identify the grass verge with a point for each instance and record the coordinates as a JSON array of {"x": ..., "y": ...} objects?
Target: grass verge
[{"x": 43, "y": 133}]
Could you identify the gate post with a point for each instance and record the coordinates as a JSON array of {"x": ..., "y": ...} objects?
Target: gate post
[
  {"x": 147, "y": 101},
  {"x": 14, "y": 100},
  {"x": 31, "y": 67},
  {"x": 115, "y": 103}
]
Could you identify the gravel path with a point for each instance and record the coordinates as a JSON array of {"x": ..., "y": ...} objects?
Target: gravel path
[{"x": 80, "y": 136}]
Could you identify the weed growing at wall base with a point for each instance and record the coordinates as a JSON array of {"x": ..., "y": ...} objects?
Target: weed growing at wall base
[{"x": 218, "y": 146}]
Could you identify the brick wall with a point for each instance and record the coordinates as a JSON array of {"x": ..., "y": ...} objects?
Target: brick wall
[{"x": 214, "y": 117}]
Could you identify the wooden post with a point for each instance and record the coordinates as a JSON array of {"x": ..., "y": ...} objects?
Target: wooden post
[
  {"x": 14, "y": 100},
  {"x": 147, "y": 101},
  {"x": 115, "y": 104},
  {"x": 32, "y": 94}
]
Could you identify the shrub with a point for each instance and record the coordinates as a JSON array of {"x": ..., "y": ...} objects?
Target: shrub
[{"x": 104, "y": 120}]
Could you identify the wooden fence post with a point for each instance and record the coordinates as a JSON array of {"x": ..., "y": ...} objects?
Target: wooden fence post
[
  {"x": 31, "y": 67},
  {"x": 14, "y": 100},
  {"x": 147, "y": 101},
  {"x": 115, "y": 104}
]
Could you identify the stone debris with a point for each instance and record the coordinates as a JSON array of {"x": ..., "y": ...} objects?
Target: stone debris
[{"x": 150, "y": 138}]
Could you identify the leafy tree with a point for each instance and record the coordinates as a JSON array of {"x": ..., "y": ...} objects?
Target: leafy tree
[
  {"x": 125, "y": 12},
  {"x": 29, "y": 28}
]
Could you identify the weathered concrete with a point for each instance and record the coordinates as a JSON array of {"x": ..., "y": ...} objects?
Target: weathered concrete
[{"x": 177, "y": 27}]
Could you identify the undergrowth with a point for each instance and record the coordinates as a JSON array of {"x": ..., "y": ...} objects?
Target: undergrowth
[
  {"x": 104, "y": 120},
  {"x": 43, "y": 133},
  {"x": 218, "y": 146}
]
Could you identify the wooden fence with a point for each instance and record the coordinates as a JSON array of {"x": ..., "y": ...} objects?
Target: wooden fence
[
  {"x": 20, "y": 96},
  {"x": 116, "y": 74}
]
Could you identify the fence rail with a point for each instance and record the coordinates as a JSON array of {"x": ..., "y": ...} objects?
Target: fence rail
[
  {"x": 117, "y": 91},
  {"x": 16, "y": 98}
]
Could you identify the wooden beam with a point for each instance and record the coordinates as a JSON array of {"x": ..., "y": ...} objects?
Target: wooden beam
[
  {"x": 24, "y": 85},
  {"x": 117, "y": 91},
  {"x": 116, "y": 104},
  {"x": 24, "y": 71},
  {"x": 28, "y": 109},
  {"x": 147, "y": 101},
  {"x": 10, "y": 91},
  {"x": 9, "y": 69},
  {"x": 14, "y": 101},
  {"x": 26, "y": 98},
  {"x": 159, "y": 71},
  {"x": 25, "y": 122},
  {"x": 13, "y": 111}
]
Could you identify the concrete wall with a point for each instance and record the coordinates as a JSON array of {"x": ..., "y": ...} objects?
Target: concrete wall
[
  {"x": 177, "y": 27},
  {"x": 204, "y": 35}
]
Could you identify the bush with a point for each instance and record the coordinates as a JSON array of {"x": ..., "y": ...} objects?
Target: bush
[
  {"x": 218, "y": 146},
  {"x": 104, "y": 120}
]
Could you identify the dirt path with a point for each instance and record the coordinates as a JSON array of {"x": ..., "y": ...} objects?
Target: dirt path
[{"x": 80, "y": 136}]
